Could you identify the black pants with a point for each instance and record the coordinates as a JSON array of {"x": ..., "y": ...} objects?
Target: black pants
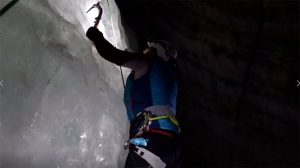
[{"x": 167, "y": 148}]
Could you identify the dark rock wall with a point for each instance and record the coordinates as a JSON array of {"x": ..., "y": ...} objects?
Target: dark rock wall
[{"x": 239, "y": 61}]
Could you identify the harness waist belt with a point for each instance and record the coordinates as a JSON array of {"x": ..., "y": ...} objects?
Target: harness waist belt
[
  {"x": 165, "y": 123},
  {"x": 165, "y": 118},
  {"x": 146, "y": 120}
]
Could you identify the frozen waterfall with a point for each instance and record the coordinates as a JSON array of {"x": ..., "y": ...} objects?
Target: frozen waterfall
[{"x": 60, "y": 104}]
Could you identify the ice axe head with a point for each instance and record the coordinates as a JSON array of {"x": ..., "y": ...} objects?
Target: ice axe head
[{"x": 97, "y": 5}]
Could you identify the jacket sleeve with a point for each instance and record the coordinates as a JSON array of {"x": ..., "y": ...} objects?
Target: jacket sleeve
[{"x": 110, "y": 53}]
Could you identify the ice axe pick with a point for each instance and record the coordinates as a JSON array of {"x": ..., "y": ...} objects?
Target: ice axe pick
[{"x": 97, "y": 5}]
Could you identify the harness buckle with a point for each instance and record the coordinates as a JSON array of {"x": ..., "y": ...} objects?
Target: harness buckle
[{"x": 140, "y": 124}]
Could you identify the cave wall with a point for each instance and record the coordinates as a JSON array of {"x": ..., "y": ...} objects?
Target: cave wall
[{"x": 238, "y": 103}]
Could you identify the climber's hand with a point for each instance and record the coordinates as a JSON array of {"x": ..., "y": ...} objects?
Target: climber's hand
[{"x": 93, "y": 33}]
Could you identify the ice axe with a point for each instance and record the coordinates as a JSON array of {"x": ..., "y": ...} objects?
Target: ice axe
[{"x": 97, "y": 5}]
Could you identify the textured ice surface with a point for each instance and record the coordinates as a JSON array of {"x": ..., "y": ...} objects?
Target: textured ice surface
[{"x": 60, "y": 104}]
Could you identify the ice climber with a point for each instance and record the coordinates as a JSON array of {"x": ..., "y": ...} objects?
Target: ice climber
[{"x": 150, "y": 100}]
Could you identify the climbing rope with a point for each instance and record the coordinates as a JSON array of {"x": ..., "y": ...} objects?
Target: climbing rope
[
  {"x": 116, "y": 44},
  {"x": 7, "y": 7},
  {"x": 253, "y": 54}
]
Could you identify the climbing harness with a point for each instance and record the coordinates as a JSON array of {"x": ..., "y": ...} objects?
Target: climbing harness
[{"x": 144, "y": 122}]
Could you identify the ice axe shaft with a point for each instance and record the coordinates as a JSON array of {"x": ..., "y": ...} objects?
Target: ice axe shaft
[{"x": 97, "y": 5}]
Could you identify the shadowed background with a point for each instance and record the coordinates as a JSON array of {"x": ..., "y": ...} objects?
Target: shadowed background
[{"x": 238, "y": 64}]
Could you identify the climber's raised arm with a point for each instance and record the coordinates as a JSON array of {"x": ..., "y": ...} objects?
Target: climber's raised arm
[{"x": 135, "y": 61}]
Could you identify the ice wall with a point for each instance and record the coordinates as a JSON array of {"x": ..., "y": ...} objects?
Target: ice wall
[{"x": 60, "y": 104}]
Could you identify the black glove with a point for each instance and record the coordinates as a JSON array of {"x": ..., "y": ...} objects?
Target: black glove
[{"x": 93, "y": 33}]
